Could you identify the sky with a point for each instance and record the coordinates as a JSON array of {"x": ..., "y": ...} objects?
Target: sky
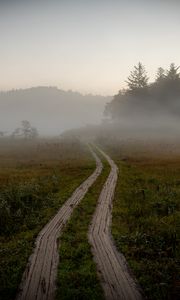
[{"x": 88, "y": 46}]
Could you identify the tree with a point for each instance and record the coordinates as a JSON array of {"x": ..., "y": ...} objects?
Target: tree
[
  {"x": 172, "y": 73},
  {"x": 26, "y": 131},
  {"x": 160, "y": 75},
  {"x": 144, "y": 100},
  {"x": 34, "y": 132},
  {"x": 138, "y": 78}
]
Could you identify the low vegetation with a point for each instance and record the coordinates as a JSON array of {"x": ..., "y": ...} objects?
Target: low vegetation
[
  {"x": 146, "y": 218},
  {"x": 36, "y": 178},
  {"x": 77, "y": 275}
]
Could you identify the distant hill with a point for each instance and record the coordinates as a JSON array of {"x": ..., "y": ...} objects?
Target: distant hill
[{"x": 50, "y": 109}]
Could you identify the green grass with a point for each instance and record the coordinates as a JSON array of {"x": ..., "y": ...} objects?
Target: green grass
[
  {"x": 77, "y": 274},
  {"x": 146, "y": 222},
  {"x": 31, "y": 195}
]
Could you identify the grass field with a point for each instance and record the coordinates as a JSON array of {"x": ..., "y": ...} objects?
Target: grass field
[
  {"x": 35, "y": 180},
  {"x": 37, "y": 177},
  {"x": 146, "y": 215}
]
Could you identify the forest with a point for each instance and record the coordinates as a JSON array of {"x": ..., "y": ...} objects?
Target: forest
[{"x": 147, "y": 103}]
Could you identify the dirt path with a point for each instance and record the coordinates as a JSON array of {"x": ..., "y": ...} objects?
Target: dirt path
[
  {"x": 39, "y": 278},
  {"x": 112, "y": 268}
]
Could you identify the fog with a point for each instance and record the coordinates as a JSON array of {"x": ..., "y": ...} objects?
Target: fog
[
  {"x": 90, "y": 46},
  {"x": 49, "y": 109},
  {"x": 147, "y": 110},
  {"x": 150, "y": 121},
  {"x": 53, "y": 112},
  {"x": 89, "y": 140}
]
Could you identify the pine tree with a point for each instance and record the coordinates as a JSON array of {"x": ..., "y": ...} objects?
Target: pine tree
[
  {"x": 138, "y": 78},
  {"x": 160, "y": 75},
  {"x": 172, "y": 73}
]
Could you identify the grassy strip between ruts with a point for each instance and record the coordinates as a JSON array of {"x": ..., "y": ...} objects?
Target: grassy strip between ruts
[
  {"x": 146, "y": 223},
  {"x": 16, "y": 248},
  {"x": 77, "y": 274}
]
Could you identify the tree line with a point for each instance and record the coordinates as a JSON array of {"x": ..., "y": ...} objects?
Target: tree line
[{"x": 141, "y": 96}]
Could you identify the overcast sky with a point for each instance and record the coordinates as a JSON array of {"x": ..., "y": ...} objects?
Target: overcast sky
[{"x": 85, "y": 45}]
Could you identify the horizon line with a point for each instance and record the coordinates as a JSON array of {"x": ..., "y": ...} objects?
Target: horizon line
[{"x": 55, "y": 87}]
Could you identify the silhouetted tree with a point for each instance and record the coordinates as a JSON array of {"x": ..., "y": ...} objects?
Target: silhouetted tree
[
  {"x": 172, "y": 73},
  {"x": 162, "y": 96},
  {"x": 26, "y": 131},
  {"x": 160, "y": 75},
  {"x": 138, "y": 78},
  {"x": 34, "y": 132}
]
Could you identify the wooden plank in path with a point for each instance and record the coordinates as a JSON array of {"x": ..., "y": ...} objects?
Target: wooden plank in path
[
  {"x": 114, "y": 274},
  {"x": 39, "y": 279}
]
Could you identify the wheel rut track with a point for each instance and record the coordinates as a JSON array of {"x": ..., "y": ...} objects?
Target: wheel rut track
[
  {"x": 114, "y": 274},
  {"x": 39, "y": 279}
]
